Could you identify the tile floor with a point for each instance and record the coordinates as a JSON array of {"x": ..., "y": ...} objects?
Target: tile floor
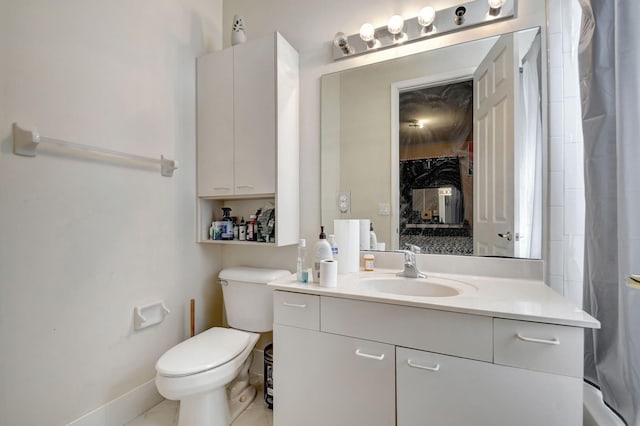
[{"x": 166, "y": 414}]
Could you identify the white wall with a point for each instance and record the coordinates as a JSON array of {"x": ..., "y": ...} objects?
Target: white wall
[
  {"x": 82, "y": 240},
  {"x": 310, "y": 27}
]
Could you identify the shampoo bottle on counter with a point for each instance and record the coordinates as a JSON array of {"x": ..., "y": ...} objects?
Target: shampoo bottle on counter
[{"x": 322, "y": 252}]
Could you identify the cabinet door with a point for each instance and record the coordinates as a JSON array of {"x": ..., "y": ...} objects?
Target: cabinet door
[
  {"x": 436, "y": 389},
  {"x": 255, "y": 117},
  {"x": 215, "y": 124},
  {"x": 324, "y": 379}
]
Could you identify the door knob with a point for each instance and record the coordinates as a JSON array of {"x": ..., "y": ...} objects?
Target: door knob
[{"x": 508, "y": 236}]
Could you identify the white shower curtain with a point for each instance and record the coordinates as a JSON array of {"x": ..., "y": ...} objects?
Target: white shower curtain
[{"x": 609, "y": 60}]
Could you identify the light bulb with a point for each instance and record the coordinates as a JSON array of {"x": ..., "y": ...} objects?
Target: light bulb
[
  {"x": 395, "y": 24},
  {"x": 368, "y": 35},
  {"x": 367, "y": 32},
  {"x": 341, "y": 41},
  {"x": 426, "y": 16},
  {"x": 494, "y": 6}
]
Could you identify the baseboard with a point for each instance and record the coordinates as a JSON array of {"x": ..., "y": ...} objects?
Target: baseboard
[{"x": 124, "y": 408}]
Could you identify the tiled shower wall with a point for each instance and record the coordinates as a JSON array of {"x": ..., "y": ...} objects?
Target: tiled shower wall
[{"x": 566, "y": 183}]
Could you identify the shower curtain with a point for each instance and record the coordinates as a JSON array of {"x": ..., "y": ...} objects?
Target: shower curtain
[
  {"x": 609, "y": 59},
  {"x": 529, "y": 156}
]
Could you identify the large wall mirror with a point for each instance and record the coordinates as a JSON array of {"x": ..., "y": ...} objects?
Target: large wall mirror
[{"x": 441, "y": 150}]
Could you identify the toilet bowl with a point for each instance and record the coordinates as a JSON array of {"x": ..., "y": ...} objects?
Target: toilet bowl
[{"x": 209, "y": 373}]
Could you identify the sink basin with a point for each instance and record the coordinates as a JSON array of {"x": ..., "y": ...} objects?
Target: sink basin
[{"x": 417, "y": 287}]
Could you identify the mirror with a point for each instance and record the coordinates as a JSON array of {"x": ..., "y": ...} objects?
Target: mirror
[{"x": 441, "y": 149}]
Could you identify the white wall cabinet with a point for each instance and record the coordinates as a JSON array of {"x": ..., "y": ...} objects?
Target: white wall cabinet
[
  {"x": 441, "y": 374},
  {"x": 247, "y": 131}
]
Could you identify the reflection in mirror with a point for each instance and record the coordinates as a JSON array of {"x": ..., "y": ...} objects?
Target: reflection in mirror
[{"x": 441, "y": 149}]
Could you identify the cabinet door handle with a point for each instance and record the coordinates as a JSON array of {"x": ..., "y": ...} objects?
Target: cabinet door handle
[
  {"x": 294, "y": 305},
  {"x": 553, "y": 341},
  {"x": 221, "y": 188},
  {"x": 244, "y": 186},
  {"x": 365, "y": 355},
  {"x": 423, "y": 367}
]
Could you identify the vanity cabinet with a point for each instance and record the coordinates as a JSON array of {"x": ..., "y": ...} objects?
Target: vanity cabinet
[
  {"x": 247, "y": 130},
  {"x": 332, "y": 361}
]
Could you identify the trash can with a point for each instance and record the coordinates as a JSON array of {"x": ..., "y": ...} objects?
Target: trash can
[{"x": 268, "y": 375}]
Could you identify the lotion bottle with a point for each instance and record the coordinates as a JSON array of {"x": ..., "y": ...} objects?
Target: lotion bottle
[
  {"x": 373, "y": 238},
  {"x": 322, "y": 252}
]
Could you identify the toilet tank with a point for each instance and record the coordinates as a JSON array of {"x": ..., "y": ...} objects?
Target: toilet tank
[{"x": 248, "y": 300}]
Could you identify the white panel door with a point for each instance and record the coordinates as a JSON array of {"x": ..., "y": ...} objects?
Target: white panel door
[
  {"x": 494, "y": 133},
  {"x": 323, "y": 379},
  {"x": 255, "y": 116},
  {"x": 215, "y": 124},
  {"x": 436, "y": 389}
]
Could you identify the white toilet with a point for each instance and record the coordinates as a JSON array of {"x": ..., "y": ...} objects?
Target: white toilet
[{"x": 200, "y": 371}]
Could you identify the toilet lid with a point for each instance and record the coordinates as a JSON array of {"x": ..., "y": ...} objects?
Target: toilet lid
[{"x": 203, "y": 352}]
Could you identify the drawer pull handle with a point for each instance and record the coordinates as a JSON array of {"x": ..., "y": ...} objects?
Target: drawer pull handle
[
  {"x": 553, "y": 341},
  {"x": 244, "y": 186},
  {"x": 221, "y": 188},
  {"x": 365, "y": 355},
  {"x": 295, "y": 305},
  {"x": 423, "y": 367}
]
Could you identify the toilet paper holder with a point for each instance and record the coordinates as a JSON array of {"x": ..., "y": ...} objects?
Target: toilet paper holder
[{"x": 151, "y": 314}]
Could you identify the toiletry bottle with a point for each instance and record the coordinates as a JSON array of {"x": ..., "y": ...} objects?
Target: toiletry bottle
[
  {"x": 334, "y": 247},
  {"x": 251, "y": 228},
  {"x": 227, "y": 224},
  {"x": 211, "y": 230},
  {"x": 236, "y": 230},
  {"x": 322, "y": 252},
  {"x": 301, "y": 271},
  {"x": 373, "y": 239},
  {"x": 242, "y": 230}
]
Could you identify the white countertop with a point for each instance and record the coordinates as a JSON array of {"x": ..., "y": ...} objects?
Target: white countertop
[{"x": 519, "y": 299}]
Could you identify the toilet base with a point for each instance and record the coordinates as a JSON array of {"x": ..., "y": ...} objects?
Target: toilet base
[
  {"x": 205, "y": 409},
  {"x": 240, "y": 403}
]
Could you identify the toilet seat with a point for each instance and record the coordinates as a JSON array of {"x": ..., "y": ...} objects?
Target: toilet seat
[{"x": 205, "y": 351}]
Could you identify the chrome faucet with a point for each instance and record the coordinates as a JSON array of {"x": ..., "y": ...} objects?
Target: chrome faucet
[{"x": 410, "y": 266}]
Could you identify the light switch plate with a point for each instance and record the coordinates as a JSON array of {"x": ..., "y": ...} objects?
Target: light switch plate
[
  {"x": 343, "y": 201},
  {"x": 384, "y": 209}
]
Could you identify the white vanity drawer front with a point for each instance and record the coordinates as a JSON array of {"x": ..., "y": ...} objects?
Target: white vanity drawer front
[
  {"x": 467, "y": 336},
  {"x": 535, "y": 346},
  {"x": 296, "y": 309}
]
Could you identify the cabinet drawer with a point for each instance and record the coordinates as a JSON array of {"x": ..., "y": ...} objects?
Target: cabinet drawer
[
  {"x": 296, "y": 309},
  {"x": 467, "y": 336},
  {"x": 542, "y": 347}
]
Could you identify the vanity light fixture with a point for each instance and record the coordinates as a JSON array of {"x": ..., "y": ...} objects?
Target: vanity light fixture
[
  {"x": 395, "y": 27},
  {"x": 418, "y": 124},
  {"x": 368, "y": 35},
  {"x": 495, "y": 6},
  {"x": 428, "y": 23}
]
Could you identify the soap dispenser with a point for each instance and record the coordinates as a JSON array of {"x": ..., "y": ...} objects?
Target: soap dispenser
[
  {"x": 322, "y": 252},
  {"x": 373, "y": 238}
]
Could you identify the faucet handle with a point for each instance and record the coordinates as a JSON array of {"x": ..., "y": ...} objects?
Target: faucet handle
[
  {"x": 409, "y": 256},
  {"x": 414, "y": 248}
]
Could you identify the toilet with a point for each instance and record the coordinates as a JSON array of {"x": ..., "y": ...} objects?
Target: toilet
[{"x": 209, "y": 373}]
